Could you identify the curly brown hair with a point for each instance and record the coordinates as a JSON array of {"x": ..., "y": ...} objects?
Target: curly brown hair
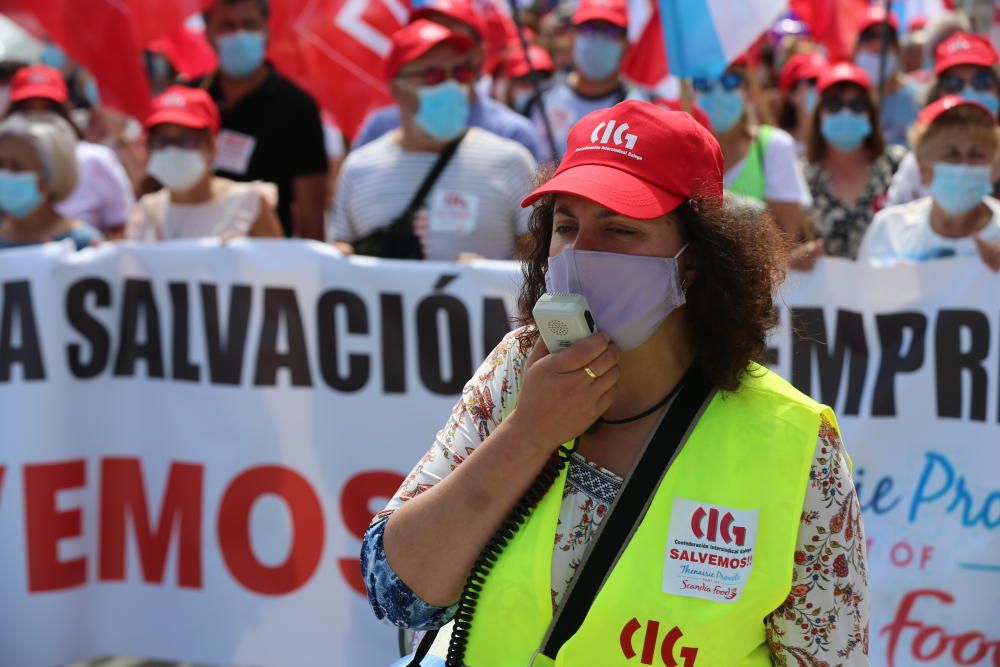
[{"x": 739, "y": 256}]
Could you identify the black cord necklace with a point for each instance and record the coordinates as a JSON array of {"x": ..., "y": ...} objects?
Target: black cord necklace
[{"x": 645, "y": 413}]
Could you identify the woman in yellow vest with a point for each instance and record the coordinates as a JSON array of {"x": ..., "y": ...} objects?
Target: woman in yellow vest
[
  {"x": 750, "y": 549},
  {"x": 761, "y": 160}
]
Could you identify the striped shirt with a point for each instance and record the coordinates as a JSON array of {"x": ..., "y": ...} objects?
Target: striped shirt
[{"x": 473, "y": 207}]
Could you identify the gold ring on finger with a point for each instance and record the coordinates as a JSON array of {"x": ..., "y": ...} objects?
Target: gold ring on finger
[{"x": 590, "y": 372}]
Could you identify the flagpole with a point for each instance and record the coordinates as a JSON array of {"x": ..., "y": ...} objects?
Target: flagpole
[
  {"x": 533, "y": 76},
  {"x": 884, "y": 58}
]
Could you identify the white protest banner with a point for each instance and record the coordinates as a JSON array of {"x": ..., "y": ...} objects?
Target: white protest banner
[
  {"x": 909, "y": 358},
  {"x": 195, "y": 438}
]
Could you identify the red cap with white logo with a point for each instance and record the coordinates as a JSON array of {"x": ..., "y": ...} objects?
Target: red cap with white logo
[
  {"x": 188, "y": 107},
  {"x": 932, "y": 112},
  {"x": 612, "y": 11},
  {"x": 460, "y": 10},
  {"x": 417, "y": 38},
  {"x": 963, "y": 48},
  {"x": 842, "y": 73},
  {"x": 639, "y": 160},
  {"x": 38, "y": 81}
]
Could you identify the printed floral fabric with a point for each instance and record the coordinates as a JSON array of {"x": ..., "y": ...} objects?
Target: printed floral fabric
[
  {"x": 840, "y": 224},
  {"x": 822, "y": 623}
]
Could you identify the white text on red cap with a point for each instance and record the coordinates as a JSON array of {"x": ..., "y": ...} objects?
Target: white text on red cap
[{"x": 614, "y": 133}]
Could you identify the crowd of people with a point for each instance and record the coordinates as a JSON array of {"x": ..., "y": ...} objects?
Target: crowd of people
[{"x": 889, "y": 158}]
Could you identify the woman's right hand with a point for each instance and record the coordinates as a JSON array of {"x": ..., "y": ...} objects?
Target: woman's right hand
[
  {"x": 804, "y": 256},
  {"x": 558, "y": 399}
]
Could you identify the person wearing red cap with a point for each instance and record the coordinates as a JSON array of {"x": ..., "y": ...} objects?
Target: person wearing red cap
[
  {"x": 469, "y": 208},
  {"x": 103, "y": 196},
  {"x": 271, "y": 128},
  {"x": 761, "y": 161},
  {"x": 681, "y": 291},
  {"x": 965, "y": 65},
  {"x": 956, "y": 143},
  {"x": 902, "y": 94},
  {"x": 849, "y": 168},
  {"x": 600, "y": 40},
  {"x": 797, "y": 87},
  {"x": 484, "y": 112},
  {"x": 521, "y": 82},
  {"x": 37, "y": 171},
  {"x": 194, "y": 203}
]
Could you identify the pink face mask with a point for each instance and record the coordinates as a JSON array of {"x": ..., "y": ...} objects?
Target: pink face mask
[{"x": 629, "y": 295}]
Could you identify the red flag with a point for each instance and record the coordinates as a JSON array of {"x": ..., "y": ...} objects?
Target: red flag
[
  {"x": 107, "y": 37},
  {"x": 335, "y": 50},
  {"x": 188, "y": 51},
  {"x": 645, "y": 62},
  {"x": 833, "y": 23}
]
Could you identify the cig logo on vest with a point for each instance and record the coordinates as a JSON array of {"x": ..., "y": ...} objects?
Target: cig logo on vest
[
  {"x": 709, "y": 550},
  {"x": 650, "y": 641},
  {"x": 609, "y": 135}
]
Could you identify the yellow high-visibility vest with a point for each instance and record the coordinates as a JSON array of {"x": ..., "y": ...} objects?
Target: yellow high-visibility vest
[{"x": 712, "y": 557}]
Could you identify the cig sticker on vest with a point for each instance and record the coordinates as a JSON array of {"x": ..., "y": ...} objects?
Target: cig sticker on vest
[{"x": 709, "y": 550}]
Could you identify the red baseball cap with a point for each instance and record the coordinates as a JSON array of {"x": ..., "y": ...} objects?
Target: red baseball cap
[
  {"x": 875, "y": 15},
  {"x": 639, "y": 160},
  {"x": 964, "y": 48},
  {"x": 417, "y": 38},
  {"x": 460, "y": 10},
  {"x": 189, "y": 107},
  {"x": 612, "y": 11},
  {"x": 798, "y": 67},
  {"x": 37, "y": 81},
  {"x": 932, "y": 112},
  {"x": 842, "y": 73},
  {"x": 517, "y": 65}
]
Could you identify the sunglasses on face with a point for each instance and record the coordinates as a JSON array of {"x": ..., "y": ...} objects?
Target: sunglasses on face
[
  {"x": 875, "y": 34},
  {"x": 431, "y": 76},
  {"x": 953, "y": 85},
  {"x": 183, "y": 141},
  {"x": 835, "y": 104},
  {"x": 604, "y": 30},
  {"x": 729, "y": 81}
]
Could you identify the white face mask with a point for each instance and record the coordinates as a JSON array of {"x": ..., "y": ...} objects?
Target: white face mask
[{"x": 177, "y": 168}]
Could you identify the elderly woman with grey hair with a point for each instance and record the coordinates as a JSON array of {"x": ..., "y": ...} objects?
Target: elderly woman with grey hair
[{"x": 37, "y": 171}]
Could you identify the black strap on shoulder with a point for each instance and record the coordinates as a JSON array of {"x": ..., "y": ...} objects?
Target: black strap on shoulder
[
  {"x": 443, "y": 158},
  {"x": 630, "y": 507}
]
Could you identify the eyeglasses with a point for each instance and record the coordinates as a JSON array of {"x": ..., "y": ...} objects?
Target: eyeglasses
[
  {"x": 728, "y": 81},
  {"x": 431, "y": 76},
  {"x": 981, "y": 81},
  {"x": 875, "y": 33},
  {"x": 835, "y": 104},
  {"x": 183, "y": 141},
  {"x": 602, "y": 29}
]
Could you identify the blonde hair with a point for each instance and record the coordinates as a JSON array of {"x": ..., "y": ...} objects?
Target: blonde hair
[
  {"x": 54, "y": 142},
  {"x": 964, "y": 117}
]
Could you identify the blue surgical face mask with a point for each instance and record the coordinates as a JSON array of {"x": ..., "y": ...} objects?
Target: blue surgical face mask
[
  {"x": 846, "y": 129},
  {"x": 984, "y": 97},
  {"x": 629, "y": 295},
  {"x": 597, "y": 56},
  {"x": 241, "y": 52},
  {"x": 811, "y": 97},
  {"x": 958, "y": 188},
  {"x": 871, "y": 63},
  {"x": 444, "y": 110},
  {"x": 724, "y": 107},
  {"x": 19, "y": 193},
  {"x": 53, "y": 56}
]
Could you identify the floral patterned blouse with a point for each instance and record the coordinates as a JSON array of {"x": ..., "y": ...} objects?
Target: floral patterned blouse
[
  {"x": 824, "y": 620},
  {"x": 840, "y": 224}
]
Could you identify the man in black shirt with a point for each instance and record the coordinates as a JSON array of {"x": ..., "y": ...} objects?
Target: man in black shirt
[{"x": 271, "y": 129}]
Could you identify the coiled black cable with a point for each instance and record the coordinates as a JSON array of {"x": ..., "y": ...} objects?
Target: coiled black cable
[{"x": 491, "y": 552}]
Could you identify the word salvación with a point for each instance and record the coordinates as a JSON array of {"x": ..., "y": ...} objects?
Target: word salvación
[{"x": 138, "y": 329}]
